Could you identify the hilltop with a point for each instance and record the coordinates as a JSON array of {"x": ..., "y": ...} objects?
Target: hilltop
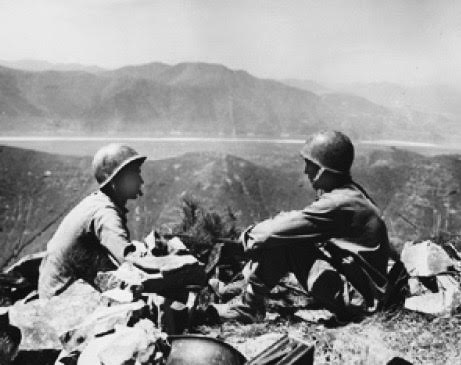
[{"x": 193, "y": 99}]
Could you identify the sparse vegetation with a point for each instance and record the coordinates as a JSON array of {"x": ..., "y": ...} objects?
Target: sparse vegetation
[
  {"x": 205, "y": 224},
  {"x": 417, "y": 338}
]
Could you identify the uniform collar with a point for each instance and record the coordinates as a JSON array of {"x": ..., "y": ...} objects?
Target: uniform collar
[
  {"x": 121, "y": 209},
  {"x": 347, "y": 184}
]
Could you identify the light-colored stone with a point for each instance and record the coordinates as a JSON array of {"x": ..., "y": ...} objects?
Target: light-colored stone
[
  {"x": 174, "y": 271},
  {"x": 125, "y": 276},
  {"x": 127, "y": 345},
  {"x": 118, "y": 295},
  {"x": 416, "y": 287},
  {"x": 313, "y": 315},
  {"x": 42, "y": 320},
  {"x": 425, "y": 259},
  {"x": 103, "y": 320},
  {"x": 443, "y": 303}
]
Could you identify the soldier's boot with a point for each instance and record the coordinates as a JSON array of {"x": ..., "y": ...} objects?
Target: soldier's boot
[
  {"x": 246, "y": 308},
  {"x": 334, "y": 294}
]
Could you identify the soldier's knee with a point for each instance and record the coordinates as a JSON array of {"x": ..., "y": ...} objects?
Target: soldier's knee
[
  {"x": 322, "y": 273},
  {"x": 326, "y": 286}
]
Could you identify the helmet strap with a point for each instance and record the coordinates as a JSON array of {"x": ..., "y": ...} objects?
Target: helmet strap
[{"x": 318, "y": 175}]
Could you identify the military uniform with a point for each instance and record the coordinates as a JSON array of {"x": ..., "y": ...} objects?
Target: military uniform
[
  {"x": 337, "y": 247},
  {"x": 92, "y": 237}
]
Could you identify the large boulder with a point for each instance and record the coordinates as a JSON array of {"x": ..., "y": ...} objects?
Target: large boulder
[
  {"x": 42, "y": 321},
  {"x": 445, "y": 302},
  {"x": 102, "y": 321},
  {"x": 435, "y": 278}
]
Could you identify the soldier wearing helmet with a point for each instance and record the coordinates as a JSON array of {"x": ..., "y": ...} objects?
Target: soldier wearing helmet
[
  {"x": 94, "y": 236},
  {"x": 337, "y": 247}
]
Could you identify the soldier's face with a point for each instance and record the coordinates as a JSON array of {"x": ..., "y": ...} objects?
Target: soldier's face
[
  {"x": 311, "y": 170},
  {"x": 129, "y": 181}
]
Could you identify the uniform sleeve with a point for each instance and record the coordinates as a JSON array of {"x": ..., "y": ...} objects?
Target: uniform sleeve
[
  {"x": 315, "y": 223},
  {"x": 112, "y": 233}
]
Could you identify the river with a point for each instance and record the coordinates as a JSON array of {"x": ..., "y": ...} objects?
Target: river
[{"x": 164, "y": 147}]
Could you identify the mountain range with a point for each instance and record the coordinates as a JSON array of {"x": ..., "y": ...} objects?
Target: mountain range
[
  {"x": 420, "y": 196},
  {"x": 438, "y": 99},
  {"x": 194, "y": 99}
]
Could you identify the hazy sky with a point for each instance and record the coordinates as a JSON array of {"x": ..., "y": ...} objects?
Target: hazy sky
[{"x": 406, "y": 41}]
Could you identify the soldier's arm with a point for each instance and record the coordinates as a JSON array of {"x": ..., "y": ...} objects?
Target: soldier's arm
[
  {"x": 315, "y": 223},
  {"x": 169, "y": 263}
]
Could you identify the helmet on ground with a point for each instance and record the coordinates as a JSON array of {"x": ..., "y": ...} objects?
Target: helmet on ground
[
  {"x": 111, "y": 159},
  {"x": 330, "y": 150}
]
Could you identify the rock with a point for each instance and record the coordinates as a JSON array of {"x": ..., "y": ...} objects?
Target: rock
[
  {"x": 118, "y": 296},
  {"x": 272, "y": 316},
  {"x": 175, "y": 245},
  {"x": 125, "y": 276},
  {"x": 314, "y": 315},
  {"x": 102, "y": 321},
  {"x": 443, "y": 303},
  {"x": 433, "y": 286},
  {"x": 20, "y": 279},
  {"x": 425, "y": 259},
  {"x": 127, "y": 345},
  {"x": 42, "y": 321},
  {"x": 176, "y": 272},
  {"x": 416, "y": 287},
  {"x": 28, "y": 266}
]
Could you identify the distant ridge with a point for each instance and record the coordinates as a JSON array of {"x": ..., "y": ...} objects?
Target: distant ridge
[
  {"x": 438, "y": 98},
  {"x": 36, "y": 65},
  {"x": 194, "y": 99}
]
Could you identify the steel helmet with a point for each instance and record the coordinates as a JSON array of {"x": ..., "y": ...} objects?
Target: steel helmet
[
  {"x": 111, "y": 159},
  {"x": 330, "y": 150}
]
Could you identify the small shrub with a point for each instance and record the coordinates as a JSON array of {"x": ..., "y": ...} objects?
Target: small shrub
[{"x": 203, "y": 226}]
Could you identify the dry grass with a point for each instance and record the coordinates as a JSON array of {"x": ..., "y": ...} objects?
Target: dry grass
[{"x": 417, "y": 338}]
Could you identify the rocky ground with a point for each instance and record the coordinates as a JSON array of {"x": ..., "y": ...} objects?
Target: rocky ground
[
  {"x": 80, "y": 315},
  {"x": 417, "y": 338}
]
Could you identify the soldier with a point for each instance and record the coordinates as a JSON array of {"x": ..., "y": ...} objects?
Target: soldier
[
  {"x": 337, "y": 247},
  {"x": 94, "y": 236}
]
